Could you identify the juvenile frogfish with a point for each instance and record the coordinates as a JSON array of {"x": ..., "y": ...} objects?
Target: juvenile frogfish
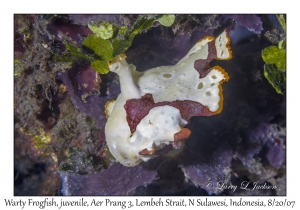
[{"x": 154, "y": 106}]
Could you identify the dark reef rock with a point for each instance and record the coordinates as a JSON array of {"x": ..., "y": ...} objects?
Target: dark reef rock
[
  {"x": 83, "y": 85},
  {"x": 251, "y": 22},
  {"x": 117, "y": 180},
  {"x": 119, "y": 20}
]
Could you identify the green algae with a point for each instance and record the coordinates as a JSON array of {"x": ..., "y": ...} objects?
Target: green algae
[
  {"x": 101, "y": 66},
  {"x": 105, "y": 31},
  {"x": 276, "y": 56},
  {"x": 166, "y": 20},
  {"x": 122, "y": 30},
  {"x": 275, "y": 62},
  {"x": 282, "y": 45},
  {"x": 121, "y": 45},
  {"x": 72, "y": 54},
  {"x": 107, "y": 42},
  {"x": 101, "y": 47},
  {"x": 281, "y": 20},
  {"x": 106, "y": 47},
  {"x": 276, "y": 78},
  {"x": 275, "y": 66},
  {"x": 75, "y": 51}
]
